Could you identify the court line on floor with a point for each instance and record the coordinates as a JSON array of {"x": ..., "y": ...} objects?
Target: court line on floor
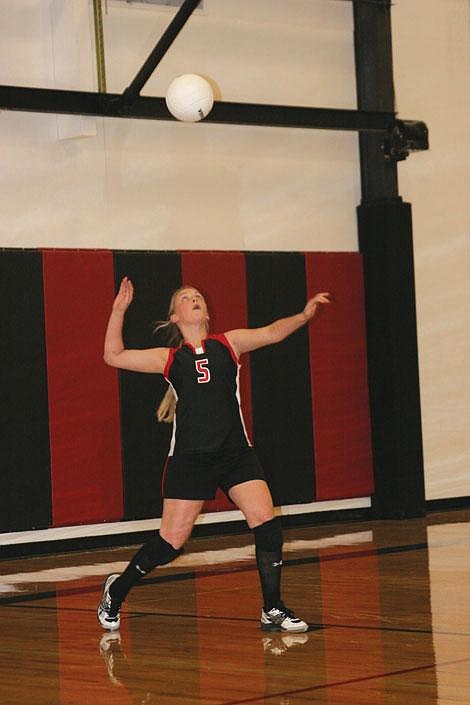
[
  {"x": 191, "y": 575},
  {"x": 338, "y": 684},
  {"x": 187, "y": 561},
  {"x": 314, "y": 626}
]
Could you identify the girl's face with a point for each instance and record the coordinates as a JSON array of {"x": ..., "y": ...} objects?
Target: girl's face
[{"x": 189, "y": 307}]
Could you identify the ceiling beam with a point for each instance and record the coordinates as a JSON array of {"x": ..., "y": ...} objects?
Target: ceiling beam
[{"x": 48, "y": 100}]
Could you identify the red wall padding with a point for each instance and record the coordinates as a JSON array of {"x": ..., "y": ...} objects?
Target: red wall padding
[
  {"x": 86, "y": 472},
  {"x": 343, "y": 455},
  {"x": 221, "y": 277}
]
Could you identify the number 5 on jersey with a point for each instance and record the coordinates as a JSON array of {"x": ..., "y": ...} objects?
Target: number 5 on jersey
[{"x": 203, "y": 371}]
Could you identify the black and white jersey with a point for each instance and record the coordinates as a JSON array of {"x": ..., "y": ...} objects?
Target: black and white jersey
[{"x": 205, "y": 383}]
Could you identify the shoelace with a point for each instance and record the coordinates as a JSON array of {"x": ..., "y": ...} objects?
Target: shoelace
[
  {"x": 286, "y": 611},
  {"x": 111, "y": 606},
  {"x": 113, "y": 610}
]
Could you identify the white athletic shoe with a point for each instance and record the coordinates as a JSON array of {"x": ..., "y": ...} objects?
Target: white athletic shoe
[
  {"x": 108, "y": 609},
  {"x": 281, "y": 619}
]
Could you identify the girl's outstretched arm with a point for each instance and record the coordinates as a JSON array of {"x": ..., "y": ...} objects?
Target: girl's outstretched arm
[
  {"x": 246, "y": 339},
  {"x": 115, "y": 354}
]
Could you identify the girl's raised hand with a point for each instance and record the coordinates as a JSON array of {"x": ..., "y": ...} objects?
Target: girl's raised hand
[
  {"x": 124, "y": 296},
  {"x": 311, "y": 306}
]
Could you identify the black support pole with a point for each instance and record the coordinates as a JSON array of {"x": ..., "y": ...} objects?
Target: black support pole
[
  {"x": 386, "y": 243},
  {"x": 159, "y": 51}
]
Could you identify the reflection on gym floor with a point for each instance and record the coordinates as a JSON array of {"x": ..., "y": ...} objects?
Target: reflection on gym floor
[{"x": 387, "y": 603}]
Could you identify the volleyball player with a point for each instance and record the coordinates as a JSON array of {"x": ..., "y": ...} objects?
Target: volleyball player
[{"x": 209, "y": 446}]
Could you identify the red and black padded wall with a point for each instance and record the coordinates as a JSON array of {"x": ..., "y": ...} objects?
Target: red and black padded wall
[{"x": 80, "y": 442}]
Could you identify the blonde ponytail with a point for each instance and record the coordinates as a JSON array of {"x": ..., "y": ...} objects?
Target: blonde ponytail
[{"x": 166, "y": 409}]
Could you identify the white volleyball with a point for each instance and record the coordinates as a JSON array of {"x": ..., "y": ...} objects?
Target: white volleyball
[{"x": 189, "y": 97}]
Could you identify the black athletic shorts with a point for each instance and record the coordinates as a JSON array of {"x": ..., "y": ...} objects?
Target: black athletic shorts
[{"x": 198, "y": 475}]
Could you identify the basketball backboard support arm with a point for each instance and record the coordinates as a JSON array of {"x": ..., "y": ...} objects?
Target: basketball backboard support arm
[
  {"x": 156, "y": 55},
  {"x": 399, "y": 136},
  {"x": 48, "y": 100}
]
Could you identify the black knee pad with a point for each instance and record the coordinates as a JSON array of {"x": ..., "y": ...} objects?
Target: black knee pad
[
  {"x": 268, "y": 536},
  {"x": 155, "y": 552}
]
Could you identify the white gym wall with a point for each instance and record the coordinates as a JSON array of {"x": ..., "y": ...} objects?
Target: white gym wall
[{"x": 114, "y": 183}]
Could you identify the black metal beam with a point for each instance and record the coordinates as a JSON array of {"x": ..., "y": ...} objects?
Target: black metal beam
[
  {"x": 168, "y": 37},
  {"x": 375, "y": 91},
  {"x": 47, "y": 100}
]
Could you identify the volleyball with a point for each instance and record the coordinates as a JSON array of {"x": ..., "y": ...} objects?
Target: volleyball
[{"x": 189, "y": 97}]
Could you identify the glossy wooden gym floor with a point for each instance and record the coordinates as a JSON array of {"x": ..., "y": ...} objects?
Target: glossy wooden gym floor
[{"x": 388, "y": 603}]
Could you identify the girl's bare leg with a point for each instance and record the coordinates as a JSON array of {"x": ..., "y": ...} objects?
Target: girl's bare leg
[{"x": 178, "y": 520}]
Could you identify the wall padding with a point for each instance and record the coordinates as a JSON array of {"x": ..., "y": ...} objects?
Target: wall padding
[
  {"x": 81, "y": 443},
  {"x": 86, "y": 473}
]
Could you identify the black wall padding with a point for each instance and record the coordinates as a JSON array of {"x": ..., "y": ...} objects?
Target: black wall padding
[
  {"x": 25, "y": 486},
  {"x": 281, "y": 397},
  {"x": 386, "y": 242},
  {"x": 145, "y": 442}
]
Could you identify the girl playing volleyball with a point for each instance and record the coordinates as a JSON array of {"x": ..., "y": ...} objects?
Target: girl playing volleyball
[{"x": 209, "y": 446}]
